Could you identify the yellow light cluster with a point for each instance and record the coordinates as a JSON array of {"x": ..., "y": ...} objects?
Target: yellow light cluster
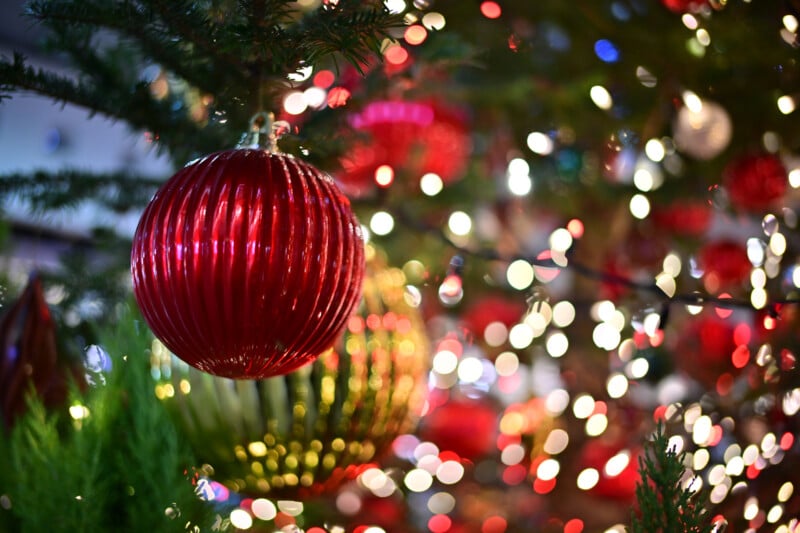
[{"x": 315, "y": 425}]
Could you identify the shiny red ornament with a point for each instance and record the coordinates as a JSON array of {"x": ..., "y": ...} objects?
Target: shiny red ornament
[
  {"x": 754, "y": 182},
  {"x": 247, "y": 264},
  {"x": 725, "y": 264},
  {"x": 412, "y": 138}
]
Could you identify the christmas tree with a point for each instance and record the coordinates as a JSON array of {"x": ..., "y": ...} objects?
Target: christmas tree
[{"x": 580, "y": 230}]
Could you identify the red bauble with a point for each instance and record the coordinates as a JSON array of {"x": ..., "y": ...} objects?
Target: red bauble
[
  {"x": 247, "y": 264},
  {"x": 466, "y": 427},
  {"x": 683, "y": 6},
  {"x": 725, "y": 264},
  {"x": 411, "y": 138},
  {"x": 688, "y": 218},
  {"x": 705, "y": 348},
  {"x": 755, "y": 181},
  {"x": 617, "y": 466},
  {"x": 492, "y": 309}
]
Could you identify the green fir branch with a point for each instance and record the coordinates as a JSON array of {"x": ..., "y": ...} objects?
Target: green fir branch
[
  {"x": 124, "y": 467},
  {"x": 353, "y": 29},
  {"x": 43, "y": 190},
  {"x": 174, "y": 129},
  {"x": 70, "y": 471},
  {"x": 189, "y": 54},
  {"x": 664, "y": 505}
]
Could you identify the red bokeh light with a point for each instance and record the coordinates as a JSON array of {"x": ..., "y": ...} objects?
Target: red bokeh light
[{"x": 491, "y": 10}]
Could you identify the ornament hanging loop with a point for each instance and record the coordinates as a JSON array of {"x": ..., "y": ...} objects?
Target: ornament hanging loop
[{"x": 264, "y": 132}]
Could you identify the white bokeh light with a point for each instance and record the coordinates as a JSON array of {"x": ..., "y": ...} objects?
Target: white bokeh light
[
  {"x": 519, "y": 274},
  {"x": 520, "y": 184},
  {"x": 601, "y": 97},
  {"x": 431, "y": 184},
  {"x": 540, "y": 143},
  {"x": 295, "y": 103},
  {"x": 241, "y": 519},
  {"x": 381, "y": 223},
  {"x": 639, "y": 206},
  {"x": 459, "y": 223}
]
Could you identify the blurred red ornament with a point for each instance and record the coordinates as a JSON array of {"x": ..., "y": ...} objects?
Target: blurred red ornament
[
  {"x": 705, "y": 348},
  {"x": 413, "y": 138},
  {"x": 714, "y": 338},
  {"x": 684, "y": 6},
  {"x": 688, "y": 218},
  {"x": 638, "y": 254},
  {"x": 30, "y": 356},
  {"x": 247, "y": 264},
  {"x": 724, "y": 264},
  {"x": 617, "y": 466},
  {"x": 389, "y": 513},
  {"x": 492, "y": 309},
  {"x": 755, "y": 181},
  {"x": 464, "y": 426}
]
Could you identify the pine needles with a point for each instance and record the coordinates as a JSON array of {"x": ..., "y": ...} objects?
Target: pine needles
[
  {"x": 664, "y": 505},
  {"x": 116, "y": 463}
]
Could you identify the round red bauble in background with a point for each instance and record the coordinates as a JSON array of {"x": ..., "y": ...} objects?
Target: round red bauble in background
[
  {"x": 685, "y": 218},
  {"x": 404, "y": 138},
  {"x": 754, "y": 182},
  {"x": 247, "y": 264},
  {"x": 684, "y": 6},
  {"x": 465, "y": 426},
  {"x": 706, "y": 345},
  {"x": 725, "y": 264},
  {"x": 492, "y": 309},
  {"x": 617, "y": 467}
]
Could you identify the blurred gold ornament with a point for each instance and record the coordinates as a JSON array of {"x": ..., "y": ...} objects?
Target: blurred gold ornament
[{"x": 305, "y": 432}]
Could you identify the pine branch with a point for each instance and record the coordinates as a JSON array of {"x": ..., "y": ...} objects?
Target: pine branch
[
  {"x": 174, "y": 129},
  {"x": 118, "y": 191},
  {"x": 189, "y": 53},
  {"x": 353, "y": 29},
  {"x": 122, "y": 467},
  {"x": 664, "y": 506}
]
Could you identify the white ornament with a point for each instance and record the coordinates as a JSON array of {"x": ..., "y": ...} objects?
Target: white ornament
[{"x": 702, "y": 133}]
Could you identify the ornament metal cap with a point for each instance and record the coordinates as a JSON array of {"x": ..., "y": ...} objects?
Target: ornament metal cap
[{"x": 264, "y": 132}]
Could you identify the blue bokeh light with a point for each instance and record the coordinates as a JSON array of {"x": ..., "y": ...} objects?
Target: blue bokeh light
[{"x": 606, "y": 51}]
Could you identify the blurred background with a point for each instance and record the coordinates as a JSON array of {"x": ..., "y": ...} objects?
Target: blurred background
[{"x": 581, "y": 220}]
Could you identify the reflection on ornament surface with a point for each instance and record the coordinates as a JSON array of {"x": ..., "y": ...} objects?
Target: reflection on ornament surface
[{"x": 306, "y": 432}]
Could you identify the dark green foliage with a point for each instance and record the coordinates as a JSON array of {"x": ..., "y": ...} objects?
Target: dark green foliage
[
  {"x": 123, "y": 468},
  {"x": 117, "y": 191},
  {"x": 664, "y": 505},
  {"x": 238, "y": 52}
]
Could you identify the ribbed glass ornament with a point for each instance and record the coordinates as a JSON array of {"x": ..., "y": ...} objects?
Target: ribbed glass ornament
[{"x": 247, "y": 263}]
